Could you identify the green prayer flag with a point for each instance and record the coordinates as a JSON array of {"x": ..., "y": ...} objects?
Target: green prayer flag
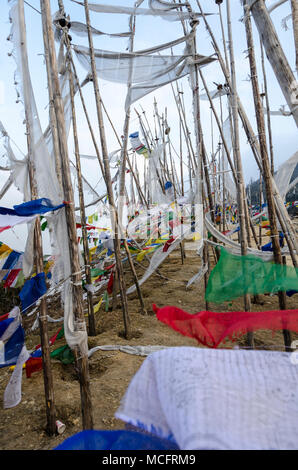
[
  {"x": 236, "y": 275},
  {"x": 97, "y": 272},
  {"x": 106, "y": 300},
  {"x": 63, "y": 354}
]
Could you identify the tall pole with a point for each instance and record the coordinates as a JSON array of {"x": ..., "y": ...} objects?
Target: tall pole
[
  {"x": 43, "y": 326},
  {"x": 283, "y": 216},
  {"x": 265, "y": 159},
  {"x": 78, "y": 312},
  {"x": 201, "y": 162},
  {"x": 123, "y": 158},
  {"x": 108, "y": 179},
  {"x": 53, "y": 121},
  {"x": 275, "y": 54},
  {"x": 91, "y": 319},
  {"x": 294, "y": 6},
  {"x": 137, "y": 182},
  {"x": 238, "y": 162},
  {"x": 267, "y": 109}
]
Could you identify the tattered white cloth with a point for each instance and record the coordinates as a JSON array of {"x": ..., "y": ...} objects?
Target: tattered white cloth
[{"x": 216, "y": 399}]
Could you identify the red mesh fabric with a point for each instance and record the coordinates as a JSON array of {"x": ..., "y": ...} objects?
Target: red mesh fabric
[{"x": 211, "y": 328}]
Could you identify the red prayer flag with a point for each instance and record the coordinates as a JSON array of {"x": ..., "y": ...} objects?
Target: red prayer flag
[
  {"x": 211, "y": 328},
  {"x": 167, "y": 244},
  {"x": 11, "y": 277},
  {"x": 34, "y": 364},
  {"x": 110, "y": 283}
]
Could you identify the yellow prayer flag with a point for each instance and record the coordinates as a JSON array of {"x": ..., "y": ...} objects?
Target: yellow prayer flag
[
  {"x": 196, "y": 237},
  {"x": 97, "y": 307}
]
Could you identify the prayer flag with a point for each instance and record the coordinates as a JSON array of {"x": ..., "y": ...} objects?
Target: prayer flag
[
  {"x": 12, "y": 351},
  {"x": 236, "y": 275},
  {"x": 24, "y": 213},
  {"x": 32, "y": 290},
  {"x": 212, "y": 328}
]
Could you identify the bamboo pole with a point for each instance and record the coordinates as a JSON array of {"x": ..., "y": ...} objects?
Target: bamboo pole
[
  {"x": 164, "y": 163},
  {"x": 53, "y": 121},
  {"x": 283, "y": 216},
  {"x": 219, "y": 124},
  {"x": 219, "y": 2},
  {"x": 149, "y": 132},
  {"x": 238, "y": 163},
  {"x": 219, "y": 127},
  {"x": 181, "y": 245},
  {"x": 125, "y": 156},
  {"x": 294, "y": 7},
  {"x": 135, "y": 176},
  {"x": 265, "y": 159},
  {"x": 108, "y": 180},
  {"x": 148, "y": 146},
  {"x": 186, "y": 132},
  {"x": 200, "y": 149},
  {"x": 261, "y": 204},
  {"x": 275, "y": 54},
  {"x": 43, "y": 326},
  {"x": 132, "y": 24},
  {"x": 91, "y": 319},
  {"x": 135, "y": 277},
  {"x": 87, "y": 118},
  {"x": 181, "y": 158},
  {"x": 223, "y": 175},
  {"x": 80, "y": 352},
  {"x": 115, "y": 290},
  {"x": 267, "y": 109}
]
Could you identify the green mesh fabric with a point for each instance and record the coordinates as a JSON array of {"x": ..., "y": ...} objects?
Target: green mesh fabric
[{"x": 235, "y": 275}]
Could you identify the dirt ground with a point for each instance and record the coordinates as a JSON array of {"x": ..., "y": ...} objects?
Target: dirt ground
[{"x": 23, "y": 427}]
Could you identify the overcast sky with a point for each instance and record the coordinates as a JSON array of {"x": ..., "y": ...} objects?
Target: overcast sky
[{"x": 149, "y": 32}]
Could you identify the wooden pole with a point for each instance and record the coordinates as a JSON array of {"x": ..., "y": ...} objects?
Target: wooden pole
[
  {"x": 81, "y": 356},
  {"x": 91, "y": 319},
  {"x": 132, "y": 23},
  {"x": 223, "y": 174},
  {"x": 267, "y": 109},
  {"x": 149, "y": 132},
  {"x": 238, "y": 163},
  {"x": 148, "y": 146},
  {"x": 186, "y": 132},
  {"x": 261, "y": 204},
  {"x": 135, "y": 277},
  {"x": 115, "y": 290},
  {"x": 283, "y": 216},
  {"x": 53, "y": 121},
  {"x": 275, "y": 54},
  {"x": 219, "y": 127},
  {"x": 87, "y": 118},
  {"x": 200, "y": 149},
  {"x": 124, "y": 159},
  {"x": 108, "y": 180},
  {"x": 43, "y": 326},
  {"x": 294, "y": 6},
  {"x": 135, "y": 177},
  {"x": 247, "y": 218},
  {"x": 265, "y": 159},
  {"x": 181, "y": 158}
]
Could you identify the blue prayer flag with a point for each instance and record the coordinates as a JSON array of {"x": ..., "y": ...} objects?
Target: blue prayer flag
[{"x": 32, "y": 290}]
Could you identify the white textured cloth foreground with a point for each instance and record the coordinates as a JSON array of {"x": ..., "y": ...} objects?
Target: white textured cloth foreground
[{"x": 216, "y": 399}]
